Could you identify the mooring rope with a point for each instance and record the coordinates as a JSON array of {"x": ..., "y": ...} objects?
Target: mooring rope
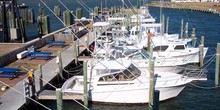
[{"x": 202, "y": 87}]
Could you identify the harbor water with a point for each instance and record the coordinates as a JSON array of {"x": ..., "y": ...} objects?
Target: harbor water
[{"x": 199, "y": 95}]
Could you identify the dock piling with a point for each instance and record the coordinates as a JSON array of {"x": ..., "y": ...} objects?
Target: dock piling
[
  {"x": 85, "y": 83},
  {"x": 217, "y": 65},
  {"x": 151, "y": 80},
  {"x": 201, "y": 52},
  {"x": 59, "y": 62},
  {"x": 59, "y": 97},
  {"x": 167, "y": 25},
  {"x": 156, "y": 100},
  {"x": 40, "y": 76},
  {"x": 181, "y": 32},
  {"x": 57, "y": 10},
  {"x": 68, "y": 18},
  {"x": 186, "y": 31},
  {"x": 193, "y": 37},
  {"x": 31, "y": 16}
]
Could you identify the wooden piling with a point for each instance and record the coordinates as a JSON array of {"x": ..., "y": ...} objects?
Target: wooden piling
[
  {"x": 40, "y": 76},
  {"x": 60, "y": 64},
  {"x": 23, "y": 30},
  {"x": 79, "y": 13},
  {"x": 181, "y": 30},
  {"x": 156, "y": 100},
  {"x": 85, "y": 83},
  {"x": 167, "y": 25},
  {"x": 75, "y": 52},
  {"x": 68, "y": 18},
  {"x": 24, "y": 14},
  {"x": 193, "y": 37},
  {"x": 217, "y": 65},
  {"x": 151, "y": 79},
  {"x": 4, "y": 22},
  {"x": 59, "y": 97},
  {"x": 11, "y": 20},
  {"x": 163, "y": 24},
  {"x": 40, "y": 10},
  {"x": 201, "y": 53},
  {"x": 186, "y": 31},
  {"x": 46, "y": 25},
  {"x": 31, "y": 16},
  {"x": 57, "y": 10}
]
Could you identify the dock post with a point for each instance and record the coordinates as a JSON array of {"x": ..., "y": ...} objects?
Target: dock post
[
  {"x": 31, "y": 16},
  {"x": 181, "y": 32},
  {"x": 151, "y": 80},
  {"x": 75, "y": 51},
  {"x": 5, "y": 35},
  {"x": 24, "y": 14},
  {"x": 40, "y": 10},
  {"x": 40, "y": 76},
  {"x": 163, "y": 24},
  {"x": 186, "y": 31},
  {"x": 57, "y": 10},
  {"x": 11, "y": 20},
  {"x": 193, "y": 37},
  {"x": 68, "y": 18},
  {"x": 79, "y": 13},
  {"x": 156, "y": 99},
  {"x": 60, "y": 64},
  {"x": 39, "y": 25},
  {"x": 85, "y": 83},
  {"x": 59, "y": 97},
  {"x": 23, "y": 31},
  {"x": 217, "y": 65},
  {"x": 201, "y": 52},
  {"x": 46, "y": 25},
  {"x": 167, "y": 26}
]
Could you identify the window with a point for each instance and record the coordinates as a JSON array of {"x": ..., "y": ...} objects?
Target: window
[
  {"x": 160, "y": 48},
  {"x": 179, "y": 47},
  {"x": 128, "y": 74}
]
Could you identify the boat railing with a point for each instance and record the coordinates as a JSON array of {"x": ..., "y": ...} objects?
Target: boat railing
[{"x": 195, "y": 73}]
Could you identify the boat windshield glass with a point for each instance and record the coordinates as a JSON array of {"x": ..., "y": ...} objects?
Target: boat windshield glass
[{"x": 128, "y": 74}]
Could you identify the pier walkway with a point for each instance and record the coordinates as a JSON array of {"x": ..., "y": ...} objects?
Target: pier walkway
[{"x": 14, "y": 98}]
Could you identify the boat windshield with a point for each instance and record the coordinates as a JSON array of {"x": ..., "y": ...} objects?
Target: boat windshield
[
  {"x": 140, "y": 54},
  {"x": 128, "y": 74}
]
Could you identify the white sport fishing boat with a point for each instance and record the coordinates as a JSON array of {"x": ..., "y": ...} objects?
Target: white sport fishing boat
[{"x": 117, "y": 81}]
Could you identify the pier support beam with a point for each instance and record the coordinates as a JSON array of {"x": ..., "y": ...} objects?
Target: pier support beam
[
  {"x": 85, "y": 83},
  {"x": 151, "y": 80},
  {"x": 201, "y": 52},
  {"x": 57, "y": 10},
  {"x": 217, "y": 65},
  {"x": 156, "y": 100},
  {"x": 40, "y": 76},
  {"x": 186, "y": 31},
  {"x": 193, "y": 37},
  {"x": 181, "y": 30},
  {"x": 31, "y": 16},
  {"x": 167, "y": 25},
  {"x": 59, "y": 97},
  {"x": 60, "y": 63}
]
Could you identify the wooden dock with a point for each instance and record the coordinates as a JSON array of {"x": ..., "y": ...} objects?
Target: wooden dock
[
  {"x": 209, "y": 7},
  {"x": 51, "y": 95},
  {"x": 14, "y": 98}
]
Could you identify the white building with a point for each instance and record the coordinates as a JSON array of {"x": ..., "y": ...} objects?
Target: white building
[{"x": 195, "y": 0}]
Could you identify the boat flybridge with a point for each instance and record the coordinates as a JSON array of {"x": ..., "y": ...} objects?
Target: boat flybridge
[{"x": 120, "y": 81}]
